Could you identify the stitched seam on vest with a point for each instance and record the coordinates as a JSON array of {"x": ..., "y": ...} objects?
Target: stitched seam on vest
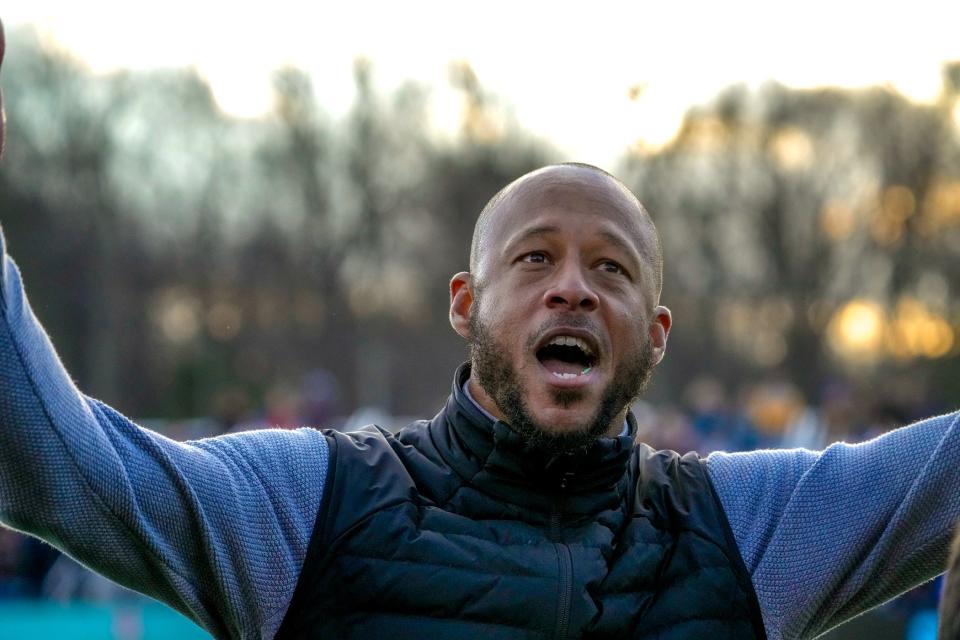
[
  {"x": 737, "y": 563},
  {"x": 427, "y": 563},
  {"x": 440, "y": 452},
  {"x": 456, "y": 492},
  {"x": 466, "y": 536},
  {"x": 316, "y": 551},
  {"x": 416, "y": 616}
]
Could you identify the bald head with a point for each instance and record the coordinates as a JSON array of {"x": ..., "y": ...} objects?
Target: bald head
[{"x": 554, "y": 185}]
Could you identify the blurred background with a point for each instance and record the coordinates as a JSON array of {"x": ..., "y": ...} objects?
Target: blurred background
[{"x": 230, "y": 219}]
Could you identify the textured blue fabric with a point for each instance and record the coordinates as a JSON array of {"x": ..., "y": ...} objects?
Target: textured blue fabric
[
  {"x": 827, "y": 535},
  {"x": 217, "y": 528}
]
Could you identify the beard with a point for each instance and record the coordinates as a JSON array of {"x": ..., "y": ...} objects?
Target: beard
[{"x": 492, "y": 367}]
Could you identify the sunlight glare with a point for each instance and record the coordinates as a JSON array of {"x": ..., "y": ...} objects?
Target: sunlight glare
[
  {"x": 857, "y": 330},
  {"x": 569, "y": 83}
]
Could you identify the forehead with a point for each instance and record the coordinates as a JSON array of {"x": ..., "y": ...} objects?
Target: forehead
[{"x": 589, "y": 200}]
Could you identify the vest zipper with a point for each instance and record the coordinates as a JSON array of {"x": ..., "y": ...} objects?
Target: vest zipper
[
  {"x": 566, "y": 590},
  {"x": 565, "y": 560}
]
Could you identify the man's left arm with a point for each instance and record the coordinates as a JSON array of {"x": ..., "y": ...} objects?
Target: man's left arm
[{"x": 827, "y": 535}]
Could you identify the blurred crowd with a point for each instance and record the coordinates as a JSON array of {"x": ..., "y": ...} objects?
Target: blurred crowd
[
  {"x": 768, "y": 414},
  {"x": 776, "y": 414}
]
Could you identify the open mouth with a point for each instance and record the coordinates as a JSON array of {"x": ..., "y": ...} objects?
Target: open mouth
[{"x": 567, "y": 356}]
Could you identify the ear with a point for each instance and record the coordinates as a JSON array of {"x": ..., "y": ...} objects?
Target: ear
[
  {"x": 659, "y": 331},
  {"x": 461, "y": 301}
]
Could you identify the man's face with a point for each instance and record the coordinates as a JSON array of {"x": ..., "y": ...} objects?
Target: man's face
[
  {"x": 493, "y": 369},
  {"x": 562, "y": 322}
]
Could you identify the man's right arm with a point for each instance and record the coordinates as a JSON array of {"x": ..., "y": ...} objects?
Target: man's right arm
[{"x": 218, "y": 528}]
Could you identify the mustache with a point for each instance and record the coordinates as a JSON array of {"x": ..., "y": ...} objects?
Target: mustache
[{"x": 566, "y": 320}]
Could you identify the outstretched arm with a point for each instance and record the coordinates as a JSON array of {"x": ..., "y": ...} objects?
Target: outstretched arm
[
  {"x": 827, "y": 535},
  {"x": 218, "y": 529}
]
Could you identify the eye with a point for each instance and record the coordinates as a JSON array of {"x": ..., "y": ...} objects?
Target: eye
[
  {"x": 611, "y": 266},
  {"x": 534, "y": 257}
]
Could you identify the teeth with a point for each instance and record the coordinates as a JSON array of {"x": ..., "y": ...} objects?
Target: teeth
[
  {"x": 572, "y": 375},
  {"x": 570, "y": 341}
]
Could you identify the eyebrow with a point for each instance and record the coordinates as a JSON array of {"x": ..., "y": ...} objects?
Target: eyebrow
[
  {"x": 549, "y": 229},
  {"x": 622, "y": 244},
  {"x": 533, "y": 232}
]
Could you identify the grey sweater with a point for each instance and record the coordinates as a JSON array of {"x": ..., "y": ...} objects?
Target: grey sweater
[{"x": 218, "y": 528}]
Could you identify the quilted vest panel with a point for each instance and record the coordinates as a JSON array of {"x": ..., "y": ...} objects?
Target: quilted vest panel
[{"x": 443, "y": 531}]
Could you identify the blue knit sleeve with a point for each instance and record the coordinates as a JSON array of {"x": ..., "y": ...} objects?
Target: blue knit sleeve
[
  {"x": 827, "y": 535},
  {"x": 218, "y": 529}
]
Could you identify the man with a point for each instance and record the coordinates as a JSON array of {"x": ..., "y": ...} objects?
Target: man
[{"x": 524, "y": 509}]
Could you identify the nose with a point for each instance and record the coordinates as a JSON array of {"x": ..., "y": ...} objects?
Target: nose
[{"x": 571, "y": 290}]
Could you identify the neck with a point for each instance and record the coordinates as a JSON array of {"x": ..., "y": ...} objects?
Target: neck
[{"x": 482, "y": 398}]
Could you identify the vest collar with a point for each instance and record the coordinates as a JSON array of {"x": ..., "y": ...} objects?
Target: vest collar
[{"x": 495, "y": 459}]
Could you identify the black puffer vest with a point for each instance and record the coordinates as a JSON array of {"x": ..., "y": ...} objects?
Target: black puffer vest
[{"x": 455, "y": 529}]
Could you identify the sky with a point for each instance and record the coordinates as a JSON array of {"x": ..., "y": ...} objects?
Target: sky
[{"x": 593, "y": 78}]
